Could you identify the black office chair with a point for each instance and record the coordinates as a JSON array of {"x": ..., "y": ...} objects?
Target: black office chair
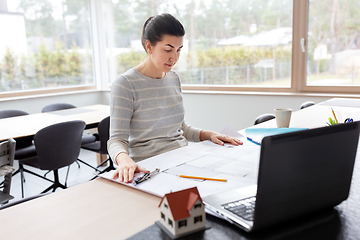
[
  {"x": 101, "y": 145},
  {"x": 263, "y": 118},
  {"x": 306, "y": 104},
  {"x": 57, "y": 146},
  {"x": 86, "y": 138},
  {"x": 57, "y": 106},
  {"x": 7, "y": 153},
  {"x": 24, "y": 146}
]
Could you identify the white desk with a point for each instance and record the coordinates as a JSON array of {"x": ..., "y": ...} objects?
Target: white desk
[{"x": 28, "y": 125}]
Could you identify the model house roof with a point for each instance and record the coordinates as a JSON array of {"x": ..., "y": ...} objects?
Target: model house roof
[{"x": 181, "y": 202}]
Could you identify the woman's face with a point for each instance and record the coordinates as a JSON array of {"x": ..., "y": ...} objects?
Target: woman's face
[{"x": 165, "y": 53}]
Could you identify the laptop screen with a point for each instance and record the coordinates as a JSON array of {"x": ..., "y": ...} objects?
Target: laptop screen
[{"x": 304, "y": 171}]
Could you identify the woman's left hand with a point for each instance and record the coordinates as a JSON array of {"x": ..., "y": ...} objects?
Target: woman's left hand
[
  {"x": 218, "y": 138},
  {"x": 222, "y": 139}
]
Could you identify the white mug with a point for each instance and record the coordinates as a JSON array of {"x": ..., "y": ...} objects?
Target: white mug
[{"x": 283, "y": 116}]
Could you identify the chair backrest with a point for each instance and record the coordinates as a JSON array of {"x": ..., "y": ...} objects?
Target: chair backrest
[
  {"x": 306, "y": 104},
  {"x": 7, "y": 153},
  {"x": 104, "y": 128},
  {"x": 57, "y": 106},
  {"x": 58, "y": 145},
  {"x": 12, "y": 113},
  {"x": 21, "y": 142},
  {"x": 263, "y": 118}
]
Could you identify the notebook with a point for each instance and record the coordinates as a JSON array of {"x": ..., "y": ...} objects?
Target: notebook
[{"x": 299, "y": 173}]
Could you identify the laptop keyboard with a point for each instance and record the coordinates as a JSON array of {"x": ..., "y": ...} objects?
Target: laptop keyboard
[{"x": 243, "y": 208}]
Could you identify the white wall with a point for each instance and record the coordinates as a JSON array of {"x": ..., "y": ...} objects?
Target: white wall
[
  {"x": 215, "y": 111},
  {"x": 206, "y": 110},
  {"x": 34, "y": 104}
]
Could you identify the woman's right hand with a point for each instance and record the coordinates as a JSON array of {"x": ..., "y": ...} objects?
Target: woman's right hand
[{"x": 126, "y": 168}]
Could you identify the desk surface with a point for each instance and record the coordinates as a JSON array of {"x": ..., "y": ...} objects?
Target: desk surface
[
  {"x": 102, "y": 209},
  {"x": 28, "y": 125},
  {"x": 93, "y": 210}
]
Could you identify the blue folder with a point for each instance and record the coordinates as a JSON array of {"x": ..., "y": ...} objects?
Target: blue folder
[{"x": 257, "y": 134}]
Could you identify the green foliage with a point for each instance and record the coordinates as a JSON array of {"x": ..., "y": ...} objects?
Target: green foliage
[
  {"x": 45, "y": 67},
  {"x": 61, "y": 66},
  {"x": 125, "y": 61},
  {"x": 331, "y": 122},
  {"x": 214, "y": 57},
  {"x": 8, "y": 66},
  {"x": 231, "y": 56}
]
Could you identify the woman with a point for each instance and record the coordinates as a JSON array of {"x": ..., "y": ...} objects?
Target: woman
[{"x": 147, "y": 113}]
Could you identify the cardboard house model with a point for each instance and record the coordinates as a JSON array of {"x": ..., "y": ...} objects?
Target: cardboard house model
[{"x": 182, "y": 212}]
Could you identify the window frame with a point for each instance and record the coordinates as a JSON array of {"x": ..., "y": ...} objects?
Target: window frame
[
  {"x": 45, "y": 91},
  {"x": 99, "y": 69},
  {"x": 298, "y": 64}
]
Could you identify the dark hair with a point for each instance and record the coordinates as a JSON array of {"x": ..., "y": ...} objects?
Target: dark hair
[{"x": 157, "y": 26}]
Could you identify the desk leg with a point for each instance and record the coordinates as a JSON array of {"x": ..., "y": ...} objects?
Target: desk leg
[{"x": 100, "y": 158}]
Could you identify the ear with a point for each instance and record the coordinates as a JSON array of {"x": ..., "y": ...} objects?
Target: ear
[{"x": 148, "y": 46}]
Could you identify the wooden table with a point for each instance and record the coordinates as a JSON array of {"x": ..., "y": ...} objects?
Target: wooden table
[
  {"x": 28, "y": 125},
  {"x": 99, "y": 209},
  {"x": 102, "y": 209}
]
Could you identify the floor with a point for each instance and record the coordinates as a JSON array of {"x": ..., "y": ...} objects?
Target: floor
[{"x": 34, "y": 185}]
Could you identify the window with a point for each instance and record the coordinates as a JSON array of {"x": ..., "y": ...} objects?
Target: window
[
  {"x": 334, "y": 43},
  {"x": 170, "y": 222},
  {"x": 198, "y": 219},
  {"x": 259, "y": 45},
  {"x": 182, "y": 223},
  {"x": 47, "y": 45},
  {"x": 198, "y": 205},
  {"x": 163, "y": 216},
  {"x": 165, "y": 205},
  {"x": 226, "y": 42},
  {"x": 230, "y": 45}
]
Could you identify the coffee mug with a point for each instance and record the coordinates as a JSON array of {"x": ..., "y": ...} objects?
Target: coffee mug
[{"x": 282, "y": 116}]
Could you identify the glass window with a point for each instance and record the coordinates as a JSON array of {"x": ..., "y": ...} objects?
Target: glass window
[
  {"x": 333, "y": 43},
  {"x": 198, "y": 219},
  {"x": 227, "y": 42},
  {"x": 170, "y": 222},
  {"x": 45, "y": 44},
  {"x": 182, "y": 223}
]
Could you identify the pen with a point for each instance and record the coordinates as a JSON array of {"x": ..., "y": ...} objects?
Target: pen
[
  {"x": 253, "y": 141},
  {"x": 204, "y": 178},
  {"x": 334, "y": 115}
]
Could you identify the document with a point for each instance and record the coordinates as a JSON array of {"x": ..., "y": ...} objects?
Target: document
[{"x": 237, "y": 164}]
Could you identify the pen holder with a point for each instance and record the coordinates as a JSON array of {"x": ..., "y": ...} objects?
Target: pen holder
[{"x": 333, "y": 122}]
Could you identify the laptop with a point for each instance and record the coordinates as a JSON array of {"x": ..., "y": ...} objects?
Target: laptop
[{"x": 299, "y": 173}]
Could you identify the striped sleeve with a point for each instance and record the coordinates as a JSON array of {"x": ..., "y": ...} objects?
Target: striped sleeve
[{"x": 192, "y": 134}]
